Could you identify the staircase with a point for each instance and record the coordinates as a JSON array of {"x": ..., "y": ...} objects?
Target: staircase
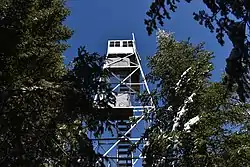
[{"x": 123, "y": 153}]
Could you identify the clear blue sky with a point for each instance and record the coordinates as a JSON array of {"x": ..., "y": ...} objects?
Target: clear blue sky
[{"x": 94, "y": 22}]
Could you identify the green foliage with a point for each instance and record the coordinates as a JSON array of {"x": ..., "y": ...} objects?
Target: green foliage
[
  {"x": 92, "y": 95},
  {"x": 220, "y": 17},
  {"x": 225, "y": 17},
  {"x": 32, "y": 39},
  {"x": 43, "y": 124},
  {"x": 43, "y": 105},
  {"x": 196, "y": 123}
]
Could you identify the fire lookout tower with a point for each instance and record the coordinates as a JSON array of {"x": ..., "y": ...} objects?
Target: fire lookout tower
[{"x": 128, "y": 81}]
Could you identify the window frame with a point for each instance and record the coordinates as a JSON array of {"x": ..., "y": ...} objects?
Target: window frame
[
  {"x": 117, "y": 43},
  {"x": 111, "y": 44}
]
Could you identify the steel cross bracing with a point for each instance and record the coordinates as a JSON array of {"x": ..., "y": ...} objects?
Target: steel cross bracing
[{"x": 115, "y": 148}]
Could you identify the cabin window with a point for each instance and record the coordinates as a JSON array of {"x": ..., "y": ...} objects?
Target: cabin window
[
  {"x": 125, "y": 44},
  {"x": 130, "y": 43},
  {"x": 112, "y": 44},
  {"x": 117, "y": 44}
]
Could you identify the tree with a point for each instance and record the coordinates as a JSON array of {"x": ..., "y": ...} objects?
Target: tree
[
  {"x": 43, "y": 105},
  {"x": 225, "y": 17},
  {"x": 37, "y": 34},
  {"x": 197, "y": 122},
  {"x": 31, "y": 60}
]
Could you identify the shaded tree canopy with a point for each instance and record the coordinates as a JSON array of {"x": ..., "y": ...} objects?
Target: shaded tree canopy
[
  {"x": 43, "y": 104},
  {"x": 231, "y": 18},
  {"x": 197, "y": 123}
]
